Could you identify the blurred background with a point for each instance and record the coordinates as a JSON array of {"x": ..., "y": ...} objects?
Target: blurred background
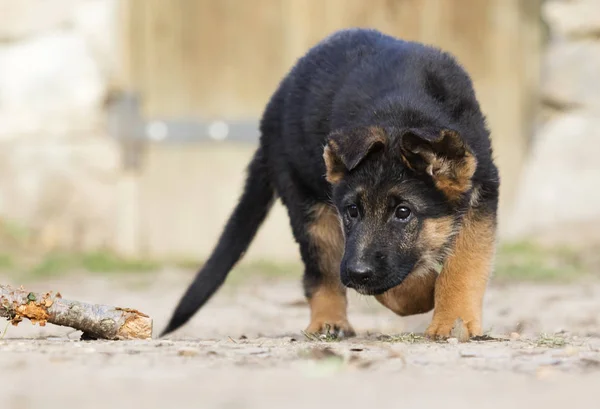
[{"x": 126, "y": 125}]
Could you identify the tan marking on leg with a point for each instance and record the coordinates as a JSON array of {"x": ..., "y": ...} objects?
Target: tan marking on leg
[
  {"x": 328, "y": 302},
  {"x": 327, "y": 236},
  {"x": 461, "y": 286},
  {"x": 328, "y": 312}
]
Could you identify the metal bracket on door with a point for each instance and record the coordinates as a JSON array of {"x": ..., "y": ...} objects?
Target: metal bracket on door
[{"x": 134, "y": 132}]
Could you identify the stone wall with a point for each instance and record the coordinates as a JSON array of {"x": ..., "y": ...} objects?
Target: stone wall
[
  {"x": 58, "y": 167},
  {"x": 559, "y": 198}
]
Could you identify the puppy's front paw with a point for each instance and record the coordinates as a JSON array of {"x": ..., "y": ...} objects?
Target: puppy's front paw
[
  {"x": 334, "y": 328},
  {"x": 453, "y": 327}
]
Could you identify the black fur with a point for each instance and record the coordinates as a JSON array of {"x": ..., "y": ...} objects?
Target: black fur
[{"x": 353, "y": 79}]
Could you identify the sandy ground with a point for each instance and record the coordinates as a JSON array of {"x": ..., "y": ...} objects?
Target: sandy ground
[{"x": 246, "y": 350}]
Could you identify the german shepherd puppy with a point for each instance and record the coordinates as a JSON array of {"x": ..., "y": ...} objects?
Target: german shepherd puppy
[{"x": 379, "y": 151}]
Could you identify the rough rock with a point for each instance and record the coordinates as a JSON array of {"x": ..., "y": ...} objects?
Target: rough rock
[
  {"x": 571, "y": 75},
  {"x": 558, "y": 181},
  {"x": 575, "y": 18},
  {"x": 27, "y": 18},
  {"x": 49, "y": 85},
  {"x": 97, "y": 21},
  {"x": 63, "y": 193}
]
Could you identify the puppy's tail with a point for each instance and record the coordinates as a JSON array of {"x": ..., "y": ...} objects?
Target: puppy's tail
[{"x": 239, "y": 231}]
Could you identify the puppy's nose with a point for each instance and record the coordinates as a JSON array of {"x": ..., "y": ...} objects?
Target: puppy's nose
[{"x": 360, "y": 273}]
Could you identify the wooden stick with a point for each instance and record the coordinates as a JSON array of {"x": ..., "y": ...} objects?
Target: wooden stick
[{"x": 96, "y": 321}]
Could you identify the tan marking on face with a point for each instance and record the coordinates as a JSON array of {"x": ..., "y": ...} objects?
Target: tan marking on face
[
  {"x": 376, "y": 207},
  {"x": 461, "y": 286},
  {"x": 435, "y": 233},
  {"x": 415, "y": 295}
]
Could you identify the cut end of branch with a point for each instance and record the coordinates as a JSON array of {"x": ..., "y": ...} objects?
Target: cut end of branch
[{"x": 137, "y": 326}]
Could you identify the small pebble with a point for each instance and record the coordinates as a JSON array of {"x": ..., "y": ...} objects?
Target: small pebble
[
  {"x": 452, "y": 341},
  {"x": 514, "y": 336},
  {"x": 570, "y": 351},
  {"x": 187, "y": 352},
  {"x": 545, "y": 372},
  {"x": 255, "y": 351},
  {"x": 396, "y": 353}
]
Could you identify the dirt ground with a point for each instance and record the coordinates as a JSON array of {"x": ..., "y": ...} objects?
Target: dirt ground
[{"x": 246, "y": 350}]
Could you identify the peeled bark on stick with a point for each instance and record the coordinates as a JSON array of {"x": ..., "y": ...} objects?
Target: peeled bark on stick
[{"x": 95, "y": 321}]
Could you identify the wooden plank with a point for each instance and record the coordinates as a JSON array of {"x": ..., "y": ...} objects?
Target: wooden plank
[{"x": 204, "y": 58}]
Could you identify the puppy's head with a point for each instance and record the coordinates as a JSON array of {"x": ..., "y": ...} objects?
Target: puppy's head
[{"x": 397, "y": 192}]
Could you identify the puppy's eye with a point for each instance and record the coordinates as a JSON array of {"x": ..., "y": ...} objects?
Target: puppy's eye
[
  {"x": 402, "y": 213},
  {"x": 352, "y": 211}
]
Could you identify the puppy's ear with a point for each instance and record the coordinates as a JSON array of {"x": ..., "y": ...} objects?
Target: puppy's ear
[
  {"x": 443, "y": 155},
  {"x": 347, "y": 148}
]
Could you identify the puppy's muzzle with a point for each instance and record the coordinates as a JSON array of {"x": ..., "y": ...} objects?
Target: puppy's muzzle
[{"x": 359, "y": 274}]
